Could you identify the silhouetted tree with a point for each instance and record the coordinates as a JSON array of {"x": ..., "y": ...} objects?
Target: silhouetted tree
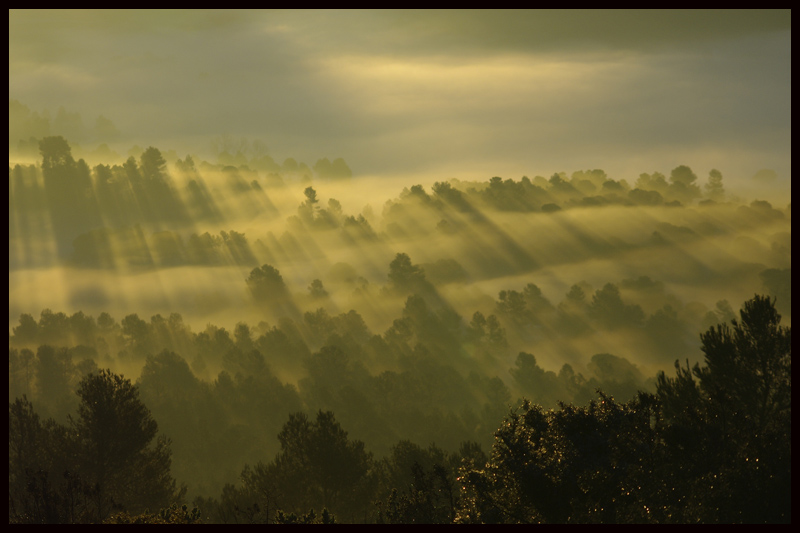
[
  {"x": 714, "y": 188},
  {"x": 574, "y": 465},
  {"x": 137, "y": 335},
  {"x": 166, "y": 378},
  {"x": 55, "y": 153},
  {"x": 266, "y": 284},
  {"x": 308, "y": 210},
  {"x": 682, "y": 184},
  {"x": 316, "y": 290},
  {"x": 118, "y": 450},
  {"x": 53, "y": 379},
  {"x": 429, "y": 499},
  {"x": 732, "y": 427},
  {"x": 534, "y": 382},
  {"x": 608, "y": 309},
  {"x": 404, "y": 275},
  {"x": 317, "y": 467},
  {"x": 169, "y": 515},
  {"x": 152, "y": 164}
]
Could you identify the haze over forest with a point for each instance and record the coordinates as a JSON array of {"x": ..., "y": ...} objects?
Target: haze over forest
[{"x": 412, "y": 220}]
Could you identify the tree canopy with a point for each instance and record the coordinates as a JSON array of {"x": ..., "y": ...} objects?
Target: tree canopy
[
  {"x": 110, "y": 454},
  {"x": 715, "y": 450}
]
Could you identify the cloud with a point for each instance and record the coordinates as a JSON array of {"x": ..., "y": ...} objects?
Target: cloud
[{"x": 420, "y": 91}]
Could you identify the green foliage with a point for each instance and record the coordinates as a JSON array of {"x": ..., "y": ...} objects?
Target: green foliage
[
  {"x": 55, "y": 153},
  {"x": 404, "y": 275},
  {"x": 698, "y": 451},
  {"x": 735, "y": 419},
  {"x": 608, "y": 309},
  {"x": 419, "y": 485},
  {"x": 107, "y": 456},
  {"x": 316, "y": 290},
  {"x": 722, "y": 429},
  {"x": 115, "y": 434},
  {"x": 748, "y": 367},
  {"x": 267, "y": 285},
  {"x": 714, "y": 188},
  {"x": 445, "y": 271},
  {"x": 431, "y": 499},
  {"x": 43, "y": 500},
  {"x": 317, "y": 467},
  {"x": 534, "y": 382},
  {"x": 713, "y": 450},
  {"x": 333, "y": 171},
  {"x": 308, "y": 518},
  {"x": 152, "y": 163},
  {"x": 168, "y": 515},
  {"x": 166, "y": 377},
  {"x": 577, "y": 464}
]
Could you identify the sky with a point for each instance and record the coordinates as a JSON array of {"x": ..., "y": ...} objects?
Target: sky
[{"x": 438, "y": 94}]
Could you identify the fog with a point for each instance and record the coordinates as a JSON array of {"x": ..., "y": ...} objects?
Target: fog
[
  {"x": 267, "y": 217},
  {"x": 471, "y": 239}
]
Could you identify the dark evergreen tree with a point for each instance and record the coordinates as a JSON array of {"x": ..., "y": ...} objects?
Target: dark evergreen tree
[
  {"x": 728, "y": 423},
  {"x": 119, "y": 451},
  {"x": 318, "y": 467}
]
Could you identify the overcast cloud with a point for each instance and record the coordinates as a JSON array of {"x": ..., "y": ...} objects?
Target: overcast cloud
[{"x": 445, "y": 94}]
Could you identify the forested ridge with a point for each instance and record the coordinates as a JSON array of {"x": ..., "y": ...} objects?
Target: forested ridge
[
  {"x": 354, "y": 382},
  {"x": 712, "y": 444}
]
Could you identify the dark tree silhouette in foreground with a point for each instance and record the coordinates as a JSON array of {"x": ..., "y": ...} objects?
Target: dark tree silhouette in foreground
[
  {"x": 730, "y": 428},
  {"x": 110, "y": 457},
  {"x": 713, "y": 450}
]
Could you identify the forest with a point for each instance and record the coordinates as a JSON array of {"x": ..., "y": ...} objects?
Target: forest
[{"x": 238, "y": 340}]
